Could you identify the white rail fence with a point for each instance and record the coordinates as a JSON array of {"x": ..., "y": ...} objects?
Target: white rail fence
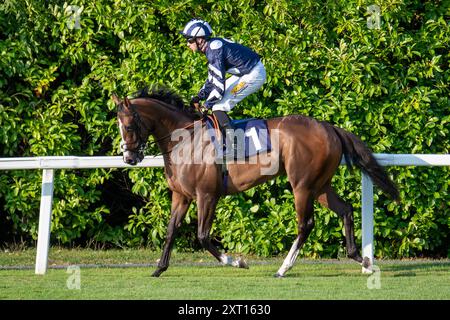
[{"x": 50, "y": 164}]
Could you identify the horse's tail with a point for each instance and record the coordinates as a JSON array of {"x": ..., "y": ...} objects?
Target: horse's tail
[{"x": 357, "y": 153}]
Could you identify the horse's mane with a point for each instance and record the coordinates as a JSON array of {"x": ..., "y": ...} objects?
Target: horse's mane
[{"x": 165, "y": 95}]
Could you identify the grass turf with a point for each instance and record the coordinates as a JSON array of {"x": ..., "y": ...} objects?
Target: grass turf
[{"x": 197, "y": 276}]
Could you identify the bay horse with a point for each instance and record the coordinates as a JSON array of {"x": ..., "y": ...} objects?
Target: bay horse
[{"x": 308, "y": 152}]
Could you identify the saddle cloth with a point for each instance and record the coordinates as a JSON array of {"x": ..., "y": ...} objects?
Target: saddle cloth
[{"x": 251, "y": 137}]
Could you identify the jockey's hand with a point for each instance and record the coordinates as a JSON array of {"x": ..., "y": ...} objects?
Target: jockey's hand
[
  {"x": 197, "y": 106},
  {"x": 195, "y": 103},
  {"x": 201, "y": 109}
]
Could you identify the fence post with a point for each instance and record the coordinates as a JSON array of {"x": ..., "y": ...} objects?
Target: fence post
[
  {"x": 45, "y": 219},
  {"x": 367, "y": 220}
]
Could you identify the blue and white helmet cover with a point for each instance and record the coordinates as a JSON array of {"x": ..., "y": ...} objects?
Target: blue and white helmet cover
[{"x": 197, "y": 28}]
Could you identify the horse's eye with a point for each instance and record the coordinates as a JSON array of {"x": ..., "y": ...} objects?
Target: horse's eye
[{"x": 129, "y": 128}]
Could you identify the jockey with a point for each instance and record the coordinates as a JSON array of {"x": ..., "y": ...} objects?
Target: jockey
[{"x": 224, "y": 56}]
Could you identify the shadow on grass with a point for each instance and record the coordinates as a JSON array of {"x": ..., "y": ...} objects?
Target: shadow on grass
[
  {"x": 405, "y": 274},
  {"x": 319, "y": 274},
  {"x": 408, "y": 268}
]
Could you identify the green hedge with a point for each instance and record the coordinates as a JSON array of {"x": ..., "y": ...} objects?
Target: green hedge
[{"x": 389, "y": 85}]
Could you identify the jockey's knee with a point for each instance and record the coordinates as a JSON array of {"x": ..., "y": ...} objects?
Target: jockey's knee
[{"x": 225, "y": 105}]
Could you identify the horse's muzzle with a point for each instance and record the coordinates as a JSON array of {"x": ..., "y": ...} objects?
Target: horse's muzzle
[
  {"x": 132, "y": 158},
  {"x": 130, "y": 161}
]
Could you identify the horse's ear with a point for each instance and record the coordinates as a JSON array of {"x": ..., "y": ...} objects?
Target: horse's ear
[
  {"x": 116, "y": 99},
  {"x": 126, "y": 102}
]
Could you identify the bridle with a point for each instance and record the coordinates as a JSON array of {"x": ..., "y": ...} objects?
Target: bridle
[{"x": 142, "y": 143}]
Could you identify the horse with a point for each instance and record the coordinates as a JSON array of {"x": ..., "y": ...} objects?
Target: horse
[{"x": 308, "y": 151}]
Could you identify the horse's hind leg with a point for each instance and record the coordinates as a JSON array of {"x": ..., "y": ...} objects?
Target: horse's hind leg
[
  {"x": 331, "y": 200},
  {"x": 180, "y": 205},
  {"x": 304, "y": 208}
]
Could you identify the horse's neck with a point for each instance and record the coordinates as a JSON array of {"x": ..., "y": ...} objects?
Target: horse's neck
[{"x": 166, "y": 120}]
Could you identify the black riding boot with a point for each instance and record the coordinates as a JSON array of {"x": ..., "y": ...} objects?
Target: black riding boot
[{"x": 227, "y": 130}]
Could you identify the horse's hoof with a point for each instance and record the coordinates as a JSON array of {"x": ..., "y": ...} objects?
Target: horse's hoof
[
  {"x": 366, "y": 266},
  {"x": 156, "y": 274},
  {"x": 366, "y": 262},
  {"x": 242, "y": 264},
  {"x": 277, "y": 275}
]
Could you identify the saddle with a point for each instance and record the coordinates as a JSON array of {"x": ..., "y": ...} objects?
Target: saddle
[{"x": 250, "y": 136}]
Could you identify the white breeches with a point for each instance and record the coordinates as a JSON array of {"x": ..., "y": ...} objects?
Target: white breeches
[{"x": 237, "y": 88}]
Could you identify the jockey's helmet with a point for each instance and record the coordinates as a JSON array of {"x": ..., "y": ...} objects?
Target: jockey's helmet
[{"x": 197, "y": 28}]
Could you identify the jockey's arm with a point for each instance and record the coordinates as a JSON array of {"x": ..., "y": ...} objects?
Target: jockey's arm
[{"x": 214, "y": 87}]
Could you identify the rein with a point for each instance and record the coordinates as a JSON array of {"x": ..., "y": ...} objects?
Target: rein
[{"x": 168, "y": 136}]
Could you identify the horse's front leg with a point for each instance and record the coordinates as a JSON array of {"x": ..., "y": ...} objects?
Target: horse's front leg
[
  {"x": 180, "y": 205},
  {"x": 206, "y": 212}
]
